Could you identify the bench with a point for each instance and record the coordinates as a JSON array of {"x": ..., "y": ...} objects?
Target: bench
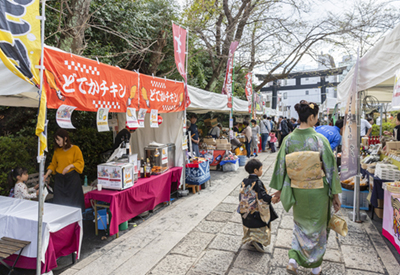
[{"x": 8, "y": 247}]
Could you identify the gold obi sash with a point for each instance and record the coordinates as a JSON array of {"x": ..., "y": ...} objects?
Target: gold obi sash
[{"x": 305, "y": 170}]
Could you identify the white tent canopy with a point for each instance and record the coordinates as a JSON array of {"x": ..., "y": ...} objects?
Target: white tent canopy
[
  {"x": 377, "y": 69},
  {"x": 329, "y": 103}
]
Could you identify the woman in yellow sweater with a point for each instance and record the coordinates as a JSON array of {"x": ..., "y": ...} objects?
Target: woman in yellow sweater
[{"x": 66, "y": 165}]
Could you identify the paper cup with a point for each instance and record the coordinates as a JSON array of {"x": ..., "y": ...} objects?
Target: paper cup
[{"x": 99, "y": 187}]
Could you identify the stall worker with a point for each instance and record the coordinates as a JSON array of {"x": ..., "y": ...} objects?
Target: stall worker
[
  {"x": 194, "y": 135},
  {"x": 66, "y": 165},
  {"x": 396, "y": 133},
  {"x": 366, "y": 128},
  {"x": 236, "y": 128},
  {"x": 123, "y": 135},
  {"x": 215, "y": 132},
  {"x": 332, "y": 133}
]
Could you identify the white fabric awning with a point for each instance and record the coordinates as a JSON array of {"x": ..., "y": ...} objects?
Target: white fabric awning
[{"x": 377, "y": 69}]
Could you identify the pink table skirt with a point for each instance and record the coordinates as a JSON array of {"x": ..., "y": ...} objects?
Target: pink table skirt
[
  {"x": 61, "y": 243},
  {"x": 143, "y": 196}
]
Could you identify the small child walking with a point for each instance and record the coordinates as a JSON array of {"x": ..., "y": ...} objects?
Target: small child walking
[
  {"x": 255, "y": 207},
  {"x": 272, "y": 142},
  {"x": 16, "y": 180}
]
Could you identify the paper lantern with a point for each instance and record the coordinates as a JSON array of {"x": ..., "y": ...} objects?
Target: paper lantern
[{"x": 160, "y": 119}]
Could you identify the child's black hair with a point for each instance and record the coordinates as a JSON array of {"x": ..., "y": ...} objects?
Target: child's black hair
[
  {"x": 252, "y": 164},
  {"x": 12, "y": 176}
]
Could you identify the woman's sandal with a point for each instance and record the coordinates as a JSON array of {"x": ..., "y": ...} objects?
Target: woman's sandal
[{"x": 291, "y": 269}]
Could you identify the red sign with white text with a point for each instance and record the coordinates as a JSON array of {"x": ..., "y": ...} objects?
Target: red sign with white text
[
  {"x": 179, "y": 35},
  {"x": 249, "y": 89},
  {"x": 227, "y": 87},
  {"x": 88, "y": 85}
]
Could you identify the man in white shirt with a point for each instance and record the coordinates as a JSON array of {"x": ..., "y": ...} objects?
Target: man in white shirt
[
  {"x": 366, "y": 128},
  {"x": 265, "y": 127},
  {"x": 216, "y": 131}
]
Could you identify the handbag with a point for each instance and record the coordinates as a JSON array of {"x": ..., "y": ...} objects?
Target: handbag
[{"x": 338, "y": 225}]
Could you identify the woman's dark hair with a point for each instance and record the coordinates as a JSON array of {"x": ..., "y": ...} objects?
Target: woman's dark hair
[
  {"x": 339, "y": 123},
  {"x": 193, "y": 116},
  {"x": 246, "y": 123},
  {"x": 62, "y": 134},
  {"x": 398, "y": 117},
  {"x": 254, "y": 121},
  {"x": 306, "y": 109},
  {"x": 252, "y": 164},
  {"x": 12, "y": 176}
]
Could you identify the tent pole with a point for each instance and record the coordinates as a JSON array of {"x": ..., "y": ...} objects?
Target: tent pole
[
  {"x": 184, "y": 114},
  {"x": 233, "y": 88},
  {"x": 380, "y": 126},
  {"x": 41, "y": 159}
]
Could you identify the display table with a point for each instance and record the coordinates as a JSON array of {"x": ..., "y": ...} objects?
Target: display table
[
  {"x": 62, "y": 231},
  {"x": 146, "y": 194},
  {"x": 198, "y": 173},
  {"x": 391, "y": 219}
]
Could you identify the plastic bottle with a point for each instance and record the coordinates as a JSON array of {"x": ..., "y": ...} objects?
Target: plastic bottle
[{"x": 85, "y": 181}]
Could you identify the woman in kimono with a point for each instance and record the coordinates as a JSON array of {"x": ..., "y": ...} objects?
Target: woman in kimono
[{"x": 306, "y": 178}]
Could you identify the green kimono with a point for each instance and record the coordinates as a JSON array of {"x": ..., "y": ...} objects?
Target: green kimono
[{"x": 311, "y": 207}]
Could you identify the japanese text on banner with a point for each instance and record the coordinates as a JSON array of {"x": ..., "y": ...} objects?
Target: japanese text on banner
[{"x": 227, "y": 86}]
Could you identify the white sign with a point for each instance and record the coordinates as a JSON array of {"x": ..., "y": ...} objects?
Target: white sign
[
  {"x": 141, "y": 116},
  {"x": 164, "y": 159},
  {"x": 102, "y": 120},
  {"x": 396, "y": 91},
  {"x": 131, "y": 119},
  {"x": 184, "y": 143},
  {"x": 63, "y": 116},
  {"x": 154, "y": 118}
]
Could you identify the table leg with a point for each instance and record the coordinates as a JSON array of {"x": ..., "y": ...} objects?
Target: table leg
[
  {"x": 118, "y": 234},
  {"x": 96, "y": 230},
  {"x": 373, "y": 210}
]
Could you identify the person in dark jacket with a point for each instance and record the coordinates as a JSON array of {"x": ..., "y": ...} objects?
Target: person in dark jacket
[
  {"x": 255, "y": 207},
  {"x": 283, "y": 129}
]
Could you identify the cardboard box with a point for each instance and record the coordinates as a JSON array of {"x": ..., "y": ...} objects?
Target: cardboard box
[
  {"x": 210, "y": 141},
  {"x": 379, "y": 210},
  {"x": 115, "y": 175},
  {"x": 207, "y": 122},
  {"x": 391, "y": 145},
  {"x": 214, "y": 122},
  {"x": 222, "y": 141}
]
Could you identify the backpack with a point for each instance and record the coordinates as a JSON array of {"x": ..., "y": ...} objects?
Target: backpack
[{"x": 247, "y": 200}]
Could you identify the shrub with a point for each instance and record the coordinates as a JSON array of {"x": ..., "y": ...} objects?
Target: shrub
[{"x": 386, "y": 126}]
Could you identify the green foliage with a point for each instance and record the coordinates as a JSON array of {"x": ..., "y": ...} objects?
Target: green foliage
[
  {"x": 16, "y": 151},
  {"x": 386, "y": 126}
]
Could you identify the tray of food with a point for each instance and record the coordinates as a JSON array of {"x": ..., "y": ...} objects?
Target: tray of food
[{"x": 349, "y": 184}]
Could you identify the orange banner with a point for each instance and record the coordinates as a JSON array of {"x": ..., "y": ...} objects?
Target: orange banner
[
  {"x": 88, "y": 85},
  {"x": 164, "y": 95}
]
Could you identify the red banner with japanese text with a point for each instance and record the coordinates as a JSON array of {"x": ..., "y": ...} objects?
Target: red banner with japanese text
[
  {"x": 227, "y": 86},
  {"x": 249, "y": 89},
  {"x": 88, "y": 85},
  {"x": 180, "y": 54},
  {"x": 162, "y": 94}
]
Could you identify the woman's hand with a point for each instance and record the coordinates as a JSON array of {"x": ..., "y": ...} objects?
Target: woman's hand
[
  {"x": 277, "y": 196},
  {"x": 47, "y": 175},
  {"x": 37, "y": 193},
  {"x": 66, "y": 169},
  {"x": 387, "y": 133},
  {"x": 336, "y": 203}
]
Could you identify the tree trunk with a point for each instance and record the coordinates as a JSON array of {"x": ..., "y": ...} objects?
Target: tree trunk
[
  {"x": 157, "y": 55},
  {"x": 73, "y": 37}
]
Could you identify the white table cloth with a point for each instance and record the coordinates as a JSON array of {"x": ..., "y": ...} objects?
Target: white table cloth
[{"x": 19, "y": 220}]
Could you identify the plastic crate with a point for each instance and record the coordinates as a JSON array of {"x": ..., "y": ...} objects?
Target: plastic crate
[{"x": 347, "y": 199}]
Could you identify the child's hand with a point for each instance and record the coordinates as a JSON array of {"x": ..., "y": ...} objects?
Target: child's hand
[
  {"x": 37, "y": 186},
  {"x": 275, "y": 200}
]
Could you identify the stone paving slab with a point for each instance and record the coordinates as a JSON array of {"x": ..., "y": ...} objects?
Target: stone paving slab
[
  {"x": 226, "y": 242},
  {"x": 254, "y": 261},
  {"x": 233, "y": 229},
  {"x": 363, "y": 258},
  {"x": 173, "y": 265},
  {"x": 217, "y": 216},
  {"x": 209, "y": 226},
  {"x": 231, "y": 199},
  {"x": 213, "y": 262},
  {"x": 193, "y": 244},
  {"x": 227, "y": 207},
  {"x": 284, "y": 238}
]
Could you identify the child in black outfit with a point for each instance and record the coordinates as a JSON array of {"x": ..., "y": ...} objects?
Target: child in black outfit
[{"x": 255, "y": 208}]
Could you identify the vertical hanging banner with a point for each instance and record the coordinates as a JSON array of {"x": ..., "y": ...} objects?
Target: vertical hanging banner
[
  {"x": 180, "y": 54},
  {"x": 350, "y": 144},
  {"x": 396, "y": 90},
  {"x": 63, "y": 116},
  {"x": 227, "y": 86},
  {"x": 249, "y": 89},
  {"x": 154, "y": 119},
  {"x": 131, "y": 119},
  {"x": 141, "y": 116},
  {"x": 102, "y": 120}
]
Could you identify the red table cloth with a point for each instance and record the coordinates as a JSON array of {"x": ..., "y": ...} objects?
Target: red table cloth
[
  {"x": 146, "y": 194},
  {"x": 61, "y": 243}
]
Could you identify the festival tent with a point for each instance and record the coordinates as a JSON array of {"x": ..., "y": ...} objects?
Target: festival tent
[
  {"x": 377, "y": 69},
  {"x": 330, "y": 104}
]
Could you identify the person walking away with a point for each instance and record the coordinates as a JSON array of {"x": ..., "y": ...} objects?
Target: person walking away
[
  {"x": 290, "y": 125},
  {"x": 194, "y": 135},
  {"x": 332, "y": 133},
  {"x": 396, "y": 132},
  {"x": 247, "y": 133},
  {"x": 272, "y": 142},
  {"x": 66, "y": 165},
  {"x": 283, "y": 129},
  {"x": 294, "y": 123},
  {"x": 255, "y": 207},
  {"x": 215, "y": 132},
  {"x": 265, "y": 129},
  {"x": 306, "y": 178},
  {"x": 255, "y": 136},
  {"x": 17, "y": 181}
]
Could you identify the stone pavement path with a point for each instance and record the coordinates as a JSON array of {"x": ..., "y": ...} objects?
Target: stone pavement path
[
  {"x": 201, "y": 235},
  {"x": 214, "y": 246}
]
